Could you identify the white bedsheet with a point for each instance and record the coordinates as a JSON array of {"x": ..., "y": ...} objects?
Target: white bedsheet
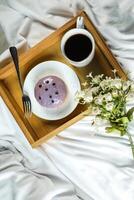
[
  {"x": 25, "y": 173},
  {"x": 99, "y": 166}
]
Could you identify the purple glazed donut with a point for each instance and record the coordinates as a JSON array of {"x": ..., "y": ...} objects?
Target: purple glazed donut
[{"x": 50, "y": 92}]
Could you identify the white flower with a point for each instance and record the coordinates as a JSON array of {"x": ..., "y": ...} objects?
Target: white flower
[
  {"x": 97, "y": 79},
  {"x": 95, "y": 90},
  {"x": 105, "y": 84},
  {"x": 109, "y": 106},
  {"x": 130, "y": 97},
  {"x": 132, "y": 86},
  {"x": 114, "y": 93},
  {"x": 108, "y": 78},
  {"x": 80, "y": 94},
  {"x": 114, "y": 72},
  {"x": 85, "y": 83},
  {"x": 88, "y": 95},
  {"x": 126, "y": 85},
  {"x": 99, "y": 99},
  {"x": 90, "y": 75},
  {"x": 102, "y": 100},
  {"x": 88, "y": 99},
  {"x": 100, "y": 122},
  {"x": 96, "y": 111},
  {"x": 116, "y": 83},
  {"x": 108, "y": 96}
]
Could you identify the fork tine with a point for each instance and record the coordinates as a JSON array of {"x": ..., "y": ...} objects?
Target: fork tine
[
  {"x": 23, "y": 105},
  {"x": 28, "y": 106}
]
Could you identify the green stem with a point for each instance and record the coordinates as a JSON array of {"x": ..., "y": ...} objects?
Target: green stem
[{"x": 131, "y": 143}]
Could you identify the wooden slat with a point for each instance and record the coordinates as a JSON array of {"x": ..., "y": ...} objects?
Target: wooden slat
[{"x": 59, "y": 129}]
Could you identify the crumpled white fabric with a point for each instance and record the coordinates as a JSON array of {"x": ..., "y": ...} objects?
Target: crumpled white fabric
[
  {"x": 29, "y": 22},
  {"x": 99, "y": 165},
  {"x": 24, "y": 172}
]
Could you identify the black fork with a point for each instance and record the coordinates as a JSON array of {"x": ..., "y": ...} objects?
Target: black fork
[{"x": 25, "y": 98}]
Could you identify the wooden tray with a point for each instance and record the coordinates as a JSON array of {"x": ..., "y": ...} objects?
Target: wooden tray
[{"x": 35, "y": 129}]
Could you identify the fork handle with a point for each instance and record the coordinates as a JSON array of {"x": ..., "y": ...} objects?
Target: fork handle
[{"x": 14, "y": 54}]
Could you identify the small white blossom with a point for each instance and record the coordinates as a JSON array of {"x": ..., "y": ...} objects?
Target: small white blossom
[
  {"x": 85, "y": 84},
  {"x": 116, "y": 83},
  {"x": 108, "y": 78},
  {"x": 108, "y": 97},
  {"x": 114, "y": 93},
  {"x": 132, "y": 86},
  {"x": 109, "y": 106},
  {"x": 126, "y": 85},
  {"x": 88, "y": 96},
  {"x": 85, "y": 95},
  {"x": 96, "y": 111},
  {"x": 97, "y": 79},
  {"x": 80, "y": 94},
  {"x": 114, "y": 72},
  {"x": 100, "y": 122},
  {"x": 90, "y": 75},
  {"x": 88, "y": 99},
  {"x": 105, "y": 84},
  {"x": 99, "y": 99},
  {"x": 95, "y": 90},
  {"x": 130, "y": 97}
]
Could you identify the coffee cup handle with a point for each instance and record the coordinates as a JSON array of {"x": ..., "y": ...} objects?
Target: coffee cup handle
[{"x": 80, "y": 22}]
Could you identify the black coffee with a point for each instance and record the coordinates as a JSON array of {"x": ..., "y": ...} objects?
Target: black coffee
[{"x": 78, "y": 47}]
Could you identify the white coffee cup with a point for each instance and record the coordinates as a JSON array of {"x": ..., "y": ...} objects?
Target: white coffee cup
[{"x": 73, "y": 32}]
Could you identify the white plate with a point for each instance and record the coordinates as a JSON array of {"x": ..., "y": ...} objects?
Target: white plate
[{"x": 62, "y": 71}]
